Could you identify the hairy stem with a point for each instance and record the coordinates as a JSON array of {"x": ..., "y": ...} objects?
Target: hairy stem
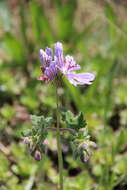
[{"x": 59, "y": 149}]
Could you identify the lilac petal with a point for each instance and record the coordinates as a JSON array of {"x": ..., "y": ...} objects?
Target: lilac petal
[
  {"x": 51, "y": 71},
  {"x": 71, "y": 79},
  {"x": 58, "y": 48},
  {"x": 49, "y": 51},
  {"x": 59, "y": 54},
  {"x": 43, "y": 55},
  {"x": 69, "y": 59},
  {"x": 80, "y": 78},
  {"x": 85, "y": 77},
  {"x": 76, "y": 67},
  {"x": 71, "y": 63},
  {"x": 45, "y": 58}
]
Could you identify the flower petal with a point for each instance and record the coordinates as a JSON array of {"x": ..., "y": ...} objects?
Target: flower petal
[
  {"x": 51, "y": 71},
  {"x": 71, "y": 79},
  {"x": 49, "y": 51},
  {"x": 59, "y": 54},
  {"x": 45, "y": 58},
  {"x": 85, "y": 77},
  {"x": 80, "y": 78},
  {"x": 70, "y": 63},
  {"x": 43, "y": 55}
]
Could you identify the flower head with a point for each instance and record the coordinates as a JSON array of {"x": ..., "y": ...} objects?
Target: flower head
[{"x": 66, "y": 66}]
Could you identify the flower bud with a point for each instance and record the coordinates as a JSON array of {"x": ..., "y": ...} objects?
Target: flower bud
[
  {"x": 45, "y": 142},
  {"x": 93, "y": 144},
  {"x": 84, "y": 146},
  {"x": 37, "y": 155},
  {"x": 26, "y": 140},
  {"x": 87, "y": 144}
]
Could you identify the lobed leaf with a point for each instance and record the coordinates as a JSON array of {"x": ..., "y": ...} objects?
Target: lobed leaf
[{"x": 73, "y": 122}]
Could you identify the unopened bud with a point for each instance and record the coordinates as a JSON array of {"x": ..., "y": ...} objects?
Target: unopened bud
[
  {"x": 45, "y": 142},
  {"x": 84, "y": 145},
  {"x": 93, "y": 144},
  {"x": 87, "y": 144},
  {"x": 26, "y": 140},
  {"x": 37, "y": 155}
]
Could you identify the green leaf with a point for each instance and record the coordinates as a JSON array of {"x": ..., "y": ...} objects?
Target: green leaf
[
  {"x": 40, "y": 121},
  {"x": 26, "y": 133},
  {"x": 73, "y": 122},
  {"x": 7, "y": 111},
  {"x": 37, "y": 120}
]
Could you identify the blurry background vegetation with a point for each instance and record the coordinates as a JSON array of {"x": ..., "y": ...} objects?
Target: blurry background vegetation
[{"x": 95, "y": 33}]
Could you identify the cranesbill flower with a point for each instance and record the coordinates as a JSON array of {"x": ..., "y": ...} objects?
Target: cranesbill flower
[{"x": 67, "y": 66}]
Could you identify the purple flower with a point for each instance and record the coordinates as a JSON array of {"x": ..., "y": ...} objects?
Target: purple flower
[{"x": 66, "y": 66}]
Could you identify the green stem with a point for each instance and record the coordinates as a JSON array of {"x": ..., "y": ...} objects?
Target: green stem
[
  {"x": 59, "y": 149},
  {"x": 72, "y": 131}
]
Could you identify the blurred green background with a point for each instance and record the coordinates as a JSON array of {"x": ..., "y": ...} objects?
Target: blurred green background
[{"x": 95, "y": 33}]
